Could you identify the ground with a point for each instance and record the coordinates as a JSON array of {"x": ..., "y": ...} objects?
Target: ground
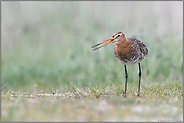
[{"x": 156, "y": 103}]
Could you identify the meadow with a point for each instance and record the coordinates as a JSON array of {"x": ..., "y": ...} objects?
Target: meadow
[{"x": 50, "y": 73}]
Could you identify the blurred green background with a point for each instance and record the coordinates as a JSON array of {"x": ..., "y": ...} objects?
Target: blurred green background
[{"x": 47, "y": 45}]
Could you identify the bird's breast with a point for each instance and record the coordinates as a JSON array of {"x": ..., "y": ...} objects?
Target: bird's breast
[{"x": 123, "y": 54}]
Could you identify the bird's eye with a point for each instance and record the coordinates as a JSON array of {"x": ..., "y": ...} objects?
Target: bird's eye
[{"x": 118, "y": 36}]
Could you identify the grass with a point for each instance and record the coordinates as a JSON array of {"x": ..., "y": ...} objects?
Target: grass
[
  {"x": 156, "y": 103},
  {"x": 46, "y": 49}
]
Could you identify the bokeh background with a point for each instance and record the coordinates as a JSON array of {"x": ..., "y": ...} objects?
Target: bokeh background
[{"x": 46, "y": 45}]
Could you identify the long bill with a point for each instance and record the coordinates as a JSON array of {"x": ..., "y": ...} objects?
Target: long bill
[{"x": 103, "y": 43}]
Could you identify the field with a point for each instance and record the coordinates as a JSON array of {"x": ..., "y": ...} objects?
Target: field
[{"x": 50, "y": 73}]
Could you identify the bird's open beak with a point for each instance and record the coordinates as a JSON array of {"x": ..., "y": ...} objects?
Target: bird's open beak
[{"x": 103, "y": 43}]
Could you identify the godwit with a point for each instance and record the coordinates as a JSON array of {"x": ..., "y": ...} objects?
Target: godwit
[{"x": 128, "y": 51}]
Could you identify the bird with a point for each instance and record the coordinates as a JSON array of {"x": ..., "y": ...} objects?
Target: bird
[{"x": 128, "y": 51}]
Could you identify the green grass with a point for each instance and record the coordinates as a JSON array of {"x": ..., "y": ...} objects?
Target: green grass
[
  {"x": 156, "y": 103},
  {"x": 46, "y": 48}
]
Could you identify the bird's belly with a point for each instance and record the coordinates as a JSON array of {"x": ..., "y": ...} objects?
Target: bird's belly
[
  {"x": 131, "y": 61},
  {"x": 129, "y": 58}
]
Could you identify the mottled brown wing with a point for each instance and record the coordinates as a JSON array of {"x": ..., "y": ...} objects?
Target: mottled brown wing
[{"x": 138, "y": 44}]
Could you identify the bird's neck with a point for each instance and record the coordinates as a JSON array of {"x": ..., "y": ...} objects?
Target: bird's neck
[{"x": 124, "y": 43}]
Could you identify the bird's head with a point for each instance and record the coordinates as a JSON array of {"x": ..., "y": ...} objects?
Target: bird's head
[{"x": 117, "y": 38}]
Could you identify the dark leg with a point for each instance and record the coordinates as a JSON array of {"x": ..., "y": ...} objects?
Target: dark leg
[
  {"x": 126, "y": 76},
  {"x": 139, "y": 79}
]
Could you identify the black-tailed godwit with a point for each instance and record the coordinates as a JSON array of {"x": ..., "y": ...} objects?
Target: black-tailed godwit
[{"x": 128, "y": 51}]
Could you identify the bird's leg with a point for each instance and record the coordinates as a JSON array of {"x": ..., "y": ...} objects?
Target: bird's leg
[
  {"x": 139, "y": 79},
  {"x": 126, "y": 76}
]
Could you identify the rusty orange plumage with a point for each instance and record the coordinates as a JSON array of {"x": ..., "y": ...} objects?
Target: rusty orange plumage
[{"x": 128, "y": 51}]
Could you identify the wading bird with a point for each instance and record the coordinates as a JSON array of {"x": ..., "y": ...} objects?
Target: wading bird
[{"x": 128, "y": 51}]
